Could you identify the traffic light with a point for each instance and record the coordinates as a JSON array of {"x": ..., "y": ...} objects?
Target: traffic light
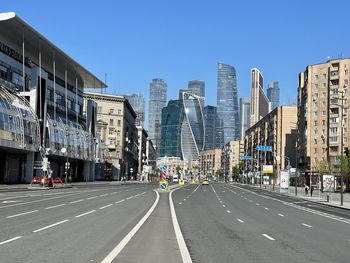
[{"x": 346, "y": 151}]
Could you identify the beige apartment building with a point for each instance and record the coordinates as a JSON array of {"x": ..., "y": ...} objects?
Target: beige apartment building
[
  {"x": 230, "y": 156},
  {"x": 320, "y": 92},
  {"x": 210, "y": 162},
  {"x": 116, "y": 126},
  {"x": 279, "y": 130}
]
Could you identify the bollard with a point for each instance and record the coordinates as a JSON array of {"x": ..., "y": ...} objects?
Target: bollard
[{"x": 327, "y": 198}]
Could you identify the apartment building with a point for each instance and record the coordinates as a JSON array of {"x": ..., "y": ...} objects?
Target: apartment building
[{"x": 210, "y": 162}]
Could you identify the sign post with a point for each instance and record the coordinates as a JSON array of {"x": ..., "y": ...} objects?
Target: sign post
[{"x": 163, "y": 184}]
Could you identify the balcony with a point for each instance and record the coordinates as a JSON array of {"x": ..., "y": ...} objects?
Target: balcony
[{"x": 334, "y": 75}]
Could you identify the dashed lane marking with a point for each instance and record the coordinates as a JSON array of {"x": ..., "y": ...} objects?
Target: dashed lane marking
[
  {"x": 223, "y": 205},
  {"x": 180, "y": 203},
  {"x": 21, "y": 214},
  {"x": 269, "y": 237},
  {"x": 306, "y": 225},
  {"x": 240, "y": 220},
  {"x": 84, "y": 214},
  {"x": 257, "y": 203},
  {"x": 228, "y": 211},
  {"x": 120, "y": 201},
  {"x": 54, "y": 206},
  {"x": 266, "y": 208},
  {"x": 10, "y": 240},
  {"x": 281, "y": 215},
  {"x": 49, "y": 226},
  {"x": 93, "y": 197},
  {"x": 77, "y": 201},
  {"x": 103, "y": 207}
]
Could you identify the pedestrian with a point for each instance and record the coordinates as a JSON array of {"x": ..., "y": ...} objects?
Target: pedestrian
[
  {"x": 311, "y": 190},
  {"x": 306, "y": 189}
]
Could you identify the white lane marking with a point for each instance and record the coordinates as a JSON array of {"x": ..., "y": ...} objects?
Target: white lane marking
[
  {"x": 180, "y": 239},
  {"x": 306, "y": 225},
  {"x": 196, "y": 188},
  {"x": 266, "y": 208},
  {"x": 120, "y": 201},
  {"x": 10, "y": 240},
  {"x": 76, "y": 201},
  {"x": 46, "y": 227},
  {"x": 106, "y": 206},
  {"x": 223, "y": 191},
  {"x": 180, "y": 203},
  {"x": 129, "y": 197},
  {"x": 93, "y": 197},
  {"x": 223, "y": 205},
  {"x": 103, "y": 195},
  {"x": 281, "y": 215},
  {"x": 257, "y": 203},
  {"x": 114, "y": 253},
  {"x": 10, "y": 201},
  {"x": 251, "y": 201},
  {"x": 184, "y": 199},
  {"x": 268, "y": 237},
  {"x": 84, "y": 214},
  {"x": 54, "y": 206},
  {"x": 245, "y": 198},
  {"x": 228, "y": 211},
  {"x": 221, "y": 202},
  {"x": 21, "y": 214},
  {"x": 240, "y": 220}
]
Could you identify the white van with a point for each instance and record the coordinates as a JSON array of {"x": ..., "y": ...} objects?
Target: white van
[{"x": 175, "y": 178}]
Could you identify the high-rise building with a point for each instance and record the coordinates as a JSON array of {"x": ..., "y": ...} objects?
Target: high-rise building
[
  {"x": 137, "y": 102},
  {"x": 259, "y": 103},
  {"x": 192, "y": 129},
  {"x": 197, "y": 87},
  {"x": 211, "y": 122},
  {"x": 227, "y": 104},
  {"x": 244, "y": 110},
  {"x": 273, "y": 94},
  {"x": 172, "y": 117},
  {"x": 320, "y": 118},
  {"x": 157, "y": 101}
]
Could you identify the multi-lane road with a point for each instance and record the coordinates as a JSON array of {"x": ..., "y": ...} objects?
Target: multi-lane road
[{"x": 135, "y": 223}]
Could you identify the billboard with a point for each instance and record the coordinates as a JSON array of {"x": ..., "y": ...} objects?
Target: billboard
[
  {"x": 328, "y": 183},
  {"x": 284, "y": 182}
]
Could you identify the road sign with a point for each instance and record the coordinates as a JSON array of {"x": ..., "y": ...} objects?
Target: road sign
[
  {"x": 245, "y": 157},
  {"x": 267, "y": 169},
  {"x": 181, "y": 182},
  {"x": 164, "y": 168},
  {"x": 264, "y": 148},
  {"x": 163, "y": 186}
]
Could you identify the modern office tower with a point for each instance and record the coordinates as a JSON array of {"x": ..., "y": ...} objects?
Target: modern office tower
[
  {"x": 43, "y": 130},
  {"x": 244, "y": 111},
  {"x": 273, "y": 94},
  {"x": 137, "y": 102},
  {"x": 227, "y": 104},
  {"x": 157, "y": 101},
  {"x": 259, "y": 103},
  {"x": 211, "y": 123},
  {"x": 172, "y": 117},
  {"x": 197, "y": 87},
  {"x": 321, "y": 115},
  {"x": 192, "y": 129},
  {"x": 181, "y": 91}
]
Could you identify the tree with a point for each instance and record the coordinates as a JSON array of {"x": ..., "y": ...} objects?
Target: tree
[
  {"x": 235, "y": 171},
  {"x": 178, "y": 170}
]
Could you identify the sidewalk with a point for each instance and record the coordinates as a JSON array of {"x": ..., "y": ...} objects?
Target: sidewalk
[{"x": 317, "y": 196}]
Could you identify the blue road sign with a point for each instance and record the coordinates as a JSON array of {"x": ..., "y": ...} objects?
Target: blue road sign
[
  {"x": 165, "y": 168},
  {"x": 163, "y": 186},
  {"x": 246, "y": 157},
  {"x": 265, "y": 148}
]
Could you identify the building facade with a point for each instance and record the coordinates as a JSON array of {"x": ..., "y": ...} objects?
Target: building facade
[
  {"x": 259, "y": 103},
  {"x": 43, "y": 131},
  {"x": 137, "y": 102},
  {"x": 273, "y": 94},
  {"x": 210, "y": 162},
  {"x": 227, "y": 104},
  {"x": 244, "y": 111},
  {"x": 320, "y": 92},
  {"x": 211, "y": 123},
  {"x": 230, "y": 157},
  {"x": 279, "y": 130},
  {"x": 157, "y": 101},
  {"x": 116, "y": 116}
]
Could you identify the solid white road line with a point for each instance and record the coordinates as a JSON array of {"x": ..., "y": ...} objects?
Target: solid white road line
[
  {"x": 85, "y": 213},
  {"x": 306, "y": 225},
  {"x": 77, "y": 201},
  {"x": 50, "y": 207},
  {"x": 129, "y": 198},
  {"x": 268, "y": 237},
  {"x": 114, "y": 253},
  {"x": 92, "y": 197},
  {"x": 10, "y": 240},
  {"x": 46, "y": 227},
  {"x": 103, "y": 195},
  {"x": 106, "y": 206},
  {"x": 21, "y": 214},
  {"x": 186, "y": 258},
  {"x": 240, "y": 220},
  {"x": 120, "y": 201},
  {"x": 281, "y": 215}
]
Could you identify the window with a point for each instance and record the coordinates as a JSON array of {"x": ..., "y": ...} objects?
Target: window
[
  {"x": 333, "y": 129},
  {"x": 315, "y": 123},
  {"x": 323, "y": 122},
  {"x": 346, "y": 82},
  {"x": 315, "y": 113},
  {"x": 118, "y": 142},
  {"x": 324, "y": 84},
  {"x": 112, "y": 142},
  {"x": 118, "y": 132},
  {"x": 119, "y": 112},
  {"x": 119, "y": 123},
  {"x": 323, "y": 113},
  {"x": 110, "y": 131},
  {"x": 316, "y": 77},
  {"x": 316, "y": 86},
  {"x": 315, "y": 150},
  {"x": 99, "y": 109},
  {"x": 333, "y": 139},
  {"x": 111, "y": 111},
  {"x": 315, "y": 141},
  {"x": 346, "y": 72},
  {"x": 111, "y": 122},
  {"x": 17, "y": 78},
  {"x": 324, "y": 76},
  {"x": 323, "y": 104}
]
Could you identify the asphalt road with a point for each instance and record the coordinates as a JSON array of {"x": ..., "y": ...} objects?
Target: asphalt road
[
  {"x": 71, "y": 225},
  {"x": 228, "y": 223}
]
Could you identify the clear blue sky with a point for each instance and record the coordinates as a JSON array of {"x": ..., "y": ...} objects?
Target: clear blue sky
[{"x": 180, "y": 40}]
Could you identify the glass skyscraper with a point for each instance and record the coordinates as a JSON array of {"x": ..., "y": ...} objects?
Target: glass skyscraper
[
  {"x": 137, "y": 102},
  {"x": 244, "y": 109},
  {"x": 172, "y": 117},
  {"x": 193, "y": 129},
  {"x": 273, "y": 94},
  {"x": 227, "y": 105},
  {"x": 211, "y": 122},
  {"x": 157, "y": 101}
]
